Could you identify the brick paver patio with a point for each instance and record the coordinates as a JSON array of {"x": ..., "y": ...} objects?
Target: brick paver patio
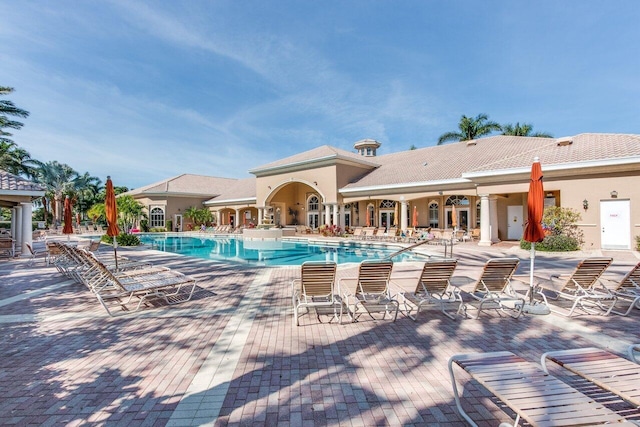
[{"x": 231, "y": 356}]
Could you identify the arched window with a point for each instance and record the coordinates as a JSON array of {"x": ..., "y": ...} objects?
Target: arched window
[
  {"x": 434, "y": 215},
  {"x": 313, "y": 204},
  {"x": 458, "y": 201},
  {"x": 156, "y": 217},
  {"x": 387, "y": 204}
]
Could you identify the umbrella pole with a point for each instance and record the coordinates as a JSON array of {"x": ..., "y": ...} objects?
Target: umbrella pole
[
  {"x": 533, "y": 259},
  {"x": 115, "y": 250}
]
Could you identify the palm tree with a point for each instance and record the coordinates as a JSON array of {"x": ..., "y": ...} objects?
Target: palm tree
[
  {"x": 8, "y": 108},
  {"x": 470, "y": 128},
  {"x": 524, "y": 129},
  {"x": 58, "y": 180},
  {"x": 86, "y": 189},
  {"x": 16, "y": 160}
]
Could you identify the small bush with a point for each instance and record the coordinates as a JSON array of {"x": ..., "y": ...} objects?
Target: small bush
[
  {"x": 122, "y": 239},
  {"x": 554, "y": 243}
]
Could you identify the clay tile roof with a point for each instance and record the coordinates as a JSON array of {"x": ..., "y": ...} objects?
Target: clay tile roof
[
  {"x": 454, "y": 161},
  {"x": 316, "y": 154},
  {"x": 241, "y": 189},
  {"x": 11, "y": 182},
  {"x": 187, "y": 184},
  {"x": 587, "y": 147}
]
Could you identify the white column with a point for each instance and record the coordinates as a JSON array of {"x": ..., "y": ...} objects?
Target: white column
[
  {"x": 343, "y": 211},
  {"x": 260, "y": 213},
  {"x": 327, "y": 214},
  {"x": 237, "y": 222},
  {"x": 335, "y": 215},
  {"x": 493, "y": 215},
  {"x": 485, "y": 221},
  {"x": 27, "y": 233},
  {"x": 18, "y": 236},
  {"x": 13, "y": 222},
  {"x": 404, "y": 217}
]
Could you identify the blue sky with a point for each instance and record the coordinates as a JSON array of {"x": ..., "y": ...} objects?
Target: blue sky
[{"x": 143, "y": 91}]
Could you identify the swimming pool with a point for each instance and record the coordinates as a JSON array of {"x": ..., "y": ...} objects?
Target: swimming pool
[{"x": 272, "y": 252}]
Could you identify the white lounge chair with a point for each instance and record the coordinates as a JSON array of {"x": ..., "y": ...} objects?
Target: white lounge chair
[{"x": 316, "y": 289}]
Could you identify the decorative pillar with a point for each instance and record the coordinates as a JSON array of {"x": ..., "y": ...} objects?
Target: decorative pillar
[
  {"x": 493, "y": 215},
  {"x": 485, "y": 221},
  {"x": 327, "y": 214},
  {"x": 404, "y": 217},
  {"x": 335, "y": 215},
  {"x": 18, "y": 236},
  {"x": 237, "y": 222},
  {"x": 260, "y": 213},
  {"x": 27, "y": 233},
  {"x": 343, "y": 220},
  {"x": 13, "y": 222}
]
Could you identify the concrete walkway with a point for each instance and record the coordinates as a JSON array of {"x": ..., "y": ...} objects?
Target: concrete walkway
[{"x": 231, "y": 356}]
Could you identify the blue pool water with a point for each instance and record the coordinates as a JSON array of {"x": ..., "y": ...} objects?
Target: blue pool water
[{"x": 271, "y": 252}]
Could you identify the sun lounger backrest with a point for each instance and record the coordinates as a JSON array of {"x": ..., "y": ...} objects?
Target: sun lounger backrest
[
  {"x": 539, "y": 398},
  {"x": 496, "y": 273},
  {"x": 373, "y": 277},
  {"x": 631, "y": 280},
  {"x": 588, "y": 272},
  {"x": 318, "y": 278},
  {"x": 435, "y": 276},
  {"x": 603, "y": 368}
]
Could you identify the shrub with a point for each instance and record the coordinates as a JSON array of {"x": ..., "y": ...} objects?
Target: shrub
[
  {"x": 554, "y": 243},
  {"x": 157, "y": 230},
  {"x": 637, "y": 243},
  {"x": 563, "y": 234},
  {"x": 122, "y": 239}
]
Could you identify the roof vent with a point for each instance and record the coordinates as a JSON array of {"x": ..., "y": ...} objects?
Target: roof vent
[
  {"x": 564, "y": 141},
  {"x": 471, "y": 142}
]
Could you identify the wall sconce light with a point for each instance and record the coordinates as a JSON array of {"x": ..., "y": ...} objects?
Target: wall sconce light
[
  {"x": 269, "y": 187},
  {"x": 614, "y": 194},
  {"x": 315, "y": 182},
  {"x": 585, "y": 204},
  {"x": 440, "y": 193}
]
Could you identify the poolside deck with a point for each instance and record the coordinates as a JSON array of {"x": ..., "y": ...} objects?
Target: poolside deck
[{"x": 232, "y": 357}]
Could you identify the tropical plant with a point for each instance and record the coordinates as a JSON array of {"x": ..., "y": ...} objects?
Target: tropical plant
[
  {"x": 86, "y": 188},
  {"x": 198, "y": 216},
  {"x": 58, "y": 180},
  {"x": 16, "y": 160},
  {"x": 470, "y": 128},
  {"x": 122, "y": 239},
  {"x": 524, "y": 129},
  {"x": 561, "y": 229},
  {"x": 8, "y": 108}
]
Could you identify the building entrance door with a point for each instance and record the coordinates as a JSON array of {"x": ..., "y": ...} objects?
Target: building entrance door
[
  {"x": 177, "y": 222},
  {"x": 313, "y": 220},
  {"x": 615, "y": 223},
  {"x": 386, "y": 219},
  {"x": 514, "y": 222}
]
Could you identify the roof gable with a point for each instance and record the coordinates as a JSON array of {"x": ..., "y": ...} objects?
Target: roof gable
[{"x": 317, "y": 155}]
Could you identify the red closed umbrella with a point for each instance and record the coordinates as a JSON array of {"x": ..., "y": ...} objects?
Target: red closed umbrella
[
  {"x": 414, "y": 219},
  {"x": 111, "y": 212},
  {"x": 68, "y": 218},
  {"x": 533, "y": 231},
  {"x": 454, "y": 217}
]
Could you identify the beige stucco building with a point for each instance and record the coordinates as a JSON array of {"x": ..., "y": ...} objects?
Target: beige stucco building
[
  {"x": 18, "y": 194},
  {"x": 486, "y": 179}
]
